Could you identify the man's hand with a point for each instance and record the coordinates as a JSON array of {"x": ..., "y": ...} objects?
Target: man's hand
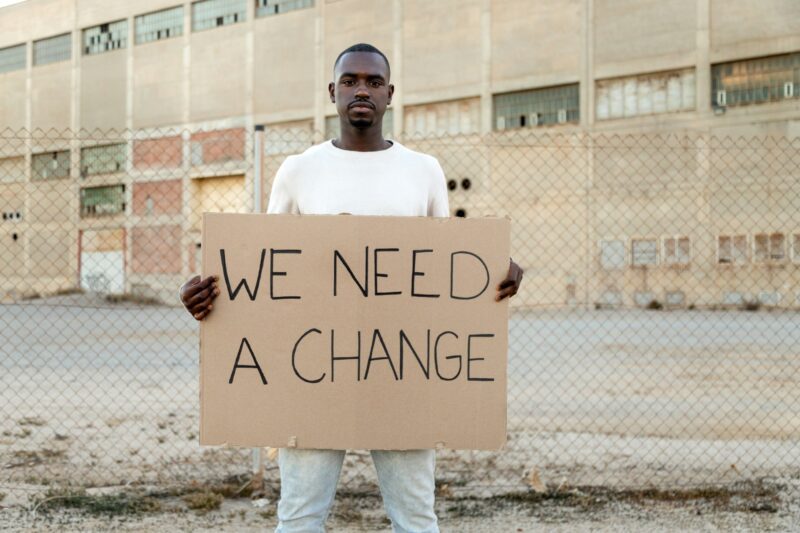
[
  {"x": 509, "y": 286},
  {"x": 197, "y": 295}
]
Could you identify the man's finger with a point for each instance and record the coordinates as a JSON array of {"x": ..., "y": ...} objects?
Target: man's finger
[
  {"x": 192, "y": 287},
  {"x": 505, "y": 293},
  {"x": 508, "y": 282},
  {"x": 200, "y": 306},
  {"x": 202, "y": 314},
  {"x": 208, "y": 293}
]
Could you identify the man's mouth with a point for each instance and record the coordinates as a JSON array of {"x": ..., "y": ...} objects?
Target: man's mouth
[{"x": 363, "y": 105}]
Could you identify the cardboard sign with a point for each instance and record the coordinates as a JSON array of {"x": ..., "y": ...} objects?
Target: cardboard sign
[{"x": 341, "y": 332}]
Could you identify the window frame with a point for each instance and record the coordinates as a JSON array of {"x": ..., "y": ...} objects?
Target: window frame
[
  {"x": 193, "y": 26},
  {"x": 138, "y": 19},
  {"x": 769, "y": 259},
  {"x": 34, "y": 63},
  {"x": 732, "y": 237},
  {"x": 643, "y": 238},
  {"x": 625, "y": 259},
  {"x": 676, "y": 238},
  {"x": 123, "y": 207}
]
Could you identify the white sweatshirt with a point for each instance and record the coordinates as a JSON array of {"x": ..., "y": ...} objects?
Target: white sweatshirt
[{"x": 326, "y": 180}]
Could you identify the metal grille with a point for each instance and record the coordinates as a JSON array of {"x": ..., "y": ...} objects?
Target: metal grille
[
  {"x": 50, "y": 165},
  {"x": 654, "y": 341},
  {"x": 104, "y": 159},
  {"x": 537, "y": 107},
  {"x": 213, "y": 13},
  {"x": 105, "y": 37},
  {"x": 12, "y": 58},
  {"x": 276, "y": 7},
  {"x": 102, "y": 201},
  {"x": 159, "y": 25},
  {"x": 755, "y": 81},
  {"x": 52, "y": 49}
]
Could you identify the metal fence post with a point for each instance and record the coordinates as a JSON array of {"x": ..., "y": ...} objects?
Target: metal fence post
[{"x": 258, "y": 162}]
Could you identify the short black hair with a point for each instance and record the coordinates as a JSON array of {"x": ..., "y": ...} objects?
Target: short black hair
[{"x": 363, "y": 47}]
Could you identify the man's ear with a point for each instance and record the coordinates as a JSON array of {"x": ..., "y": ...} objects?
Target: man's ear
[
  {"x": 331, "y": 92},
  {"x": 391, "y": 92}
]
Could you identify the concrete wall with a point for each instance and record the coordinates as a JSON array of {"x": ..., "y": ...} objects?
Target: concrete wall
[
  {"x": 51, "y": 102},
  {"x": 217, "y": 87},
  {"x": 158, "y": 96},
  {"x": 522, "y": 47},
  {"x": 104, "y": 81},
  {"x": 13, "y": 100},
  {"x": 276, "y": 91},
  {"x": 275, "y": 69}
]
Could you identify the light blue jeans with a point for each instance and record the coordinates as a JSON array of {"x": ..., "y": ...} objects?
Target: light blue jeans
[{"x": 308, "y": 486}]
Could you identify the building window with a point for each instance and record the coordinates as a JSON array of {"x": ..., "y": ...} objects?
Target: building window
[
  {"x": 50, "y": 165},
  {"x": 676, "y": 251},
  {"x": 646, "y": 94},
  {"x": 644, "y": 252},
  {"x": 159, "y": 25},
  {"x": 213, "y": 13},
  {"x": 537, "y": 107},
  {"x": 102, "y": 201},
  {"x": 756, "y": 81},
  {"x": 52, "y": 49},
  {"x": 332, "y": 130},
  {"x": 612, "y": 254},
  {"x": 458, "y": 117},
  {"x": 105, "y": 37},
  {"x": 276, "y": 7},
  {"x": 732, "y": 250},
  {"x": 106, "y": 159},
  {"x": 768, "y": 248},
  {"x": 12, "y": 58}
]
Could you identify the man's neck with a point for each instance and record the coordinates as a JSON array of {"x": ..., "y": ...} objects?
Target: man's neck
[{"x": 358, "y": 140}]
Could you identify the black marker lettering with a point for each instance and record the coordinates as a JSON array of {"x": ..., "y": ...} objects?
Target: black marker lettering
[
  {"x": 415, "y": 273},
  {"x": 470, "y": 359},
  {"x": 436, "y": 356},
  {"x": 381, "y": 274},
  {"x": 294, "y": 355},
  {"x": 365, "y": 287},
  {"x": 377, "y": 335},
  {"x": 452, "y": 276},
  {"x": 335, "y": 358},
  {"x": 254, "y": 365},
  {"x": 426, "y": 367},
  {"x": 273, "y": 273},
  {"x": 232, "y": 293}
]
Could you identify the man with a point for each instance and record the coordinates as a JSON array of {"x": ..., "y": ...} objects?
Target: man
[{"x": 360, "y": 173}]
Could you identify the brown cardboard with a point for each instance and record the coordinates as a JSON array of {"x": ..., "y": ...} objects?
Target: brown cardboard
[{"x": 328, "y": 404}]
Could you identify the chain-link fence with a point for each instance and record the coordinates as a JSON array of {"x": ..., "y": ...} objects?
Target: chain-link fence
[{"x": 655, "y": 339}]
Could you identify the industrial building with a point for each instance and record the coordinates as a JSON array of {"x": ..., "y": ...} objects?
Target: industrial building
[{"x": 121, "y": 122}]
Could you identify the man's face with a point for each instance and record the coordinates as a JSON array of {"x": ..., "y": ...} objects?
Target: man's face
[{"x": 361, "y": 89}]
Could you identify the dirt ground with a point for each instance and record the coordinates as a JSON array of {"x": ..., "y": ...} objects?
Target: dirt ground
[
  {"x": 764, "y": 505},
  {"x": 106, "y": 397}
]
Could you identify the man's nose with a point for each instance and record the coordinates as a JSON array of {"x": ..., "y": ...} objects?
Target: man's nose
[{"x": 362, "y": 91}]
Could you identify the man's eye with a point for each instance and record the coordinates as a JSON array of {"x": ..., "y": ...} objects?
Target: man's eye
[{"x": 376, "y": 84}]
